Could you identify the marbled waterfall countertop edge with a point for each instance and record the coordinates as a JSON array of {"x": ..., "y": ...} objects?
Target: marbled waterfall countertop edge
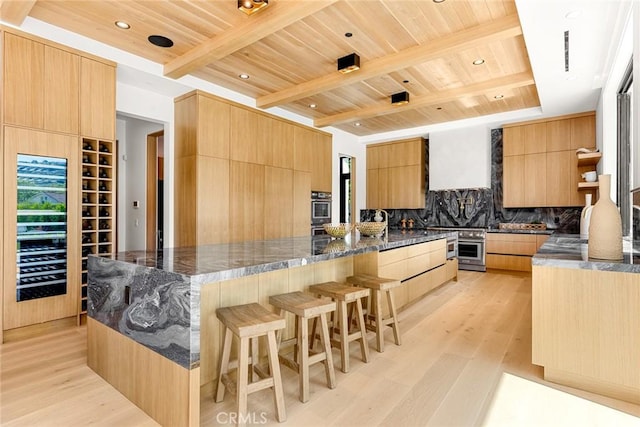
[{"x": 569, "y": 251}]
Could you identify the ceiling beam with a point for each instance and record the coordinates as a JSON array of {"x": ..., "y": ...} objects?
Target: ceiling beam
[
  {"x": 500, "y": 29},
  {"x": 492, "y": 86},
  {"x": 278, "y": 15},
  {"x": 15, "y": 11}
]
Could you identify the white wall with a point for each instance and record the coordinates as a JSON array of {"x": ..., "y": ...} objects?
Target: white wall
[
  {"x": 135, "y": 103},
  {"x": 121, "y": 137},
  {"x": 460, "y": 158},
  {"x": 132, "y": 158}
]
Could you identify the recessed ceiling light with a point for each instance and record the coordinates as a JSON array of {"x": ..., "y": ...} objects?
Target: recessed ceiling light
[
  {"x": 244, "y": 76},
  {"x": 160, "y": 41},
  {"x": 438, "y": 1},
  {"x": 439, "y": 108},
  {"x": 405, "y": 81},
  {"x": 573, "y": 14},
  {"x": 499, "y": 96},
  {"x": 312, "y": 105},
  {"x": 122, "y": 25},
  {"x": 357, "y": 124},
  {"x": 479, "y": 61},
  {"x": 348, "y": 34}
]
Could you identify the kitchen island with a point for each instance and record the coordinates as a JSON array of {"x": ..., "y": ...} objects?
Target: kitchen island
[
  {"x": 152, "y": 329},
  {"x": 586, "y": 318}
]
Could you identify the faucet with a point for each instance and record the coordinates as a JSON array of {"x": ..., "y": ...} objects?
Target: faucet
[{"x": 464, "y": 201}]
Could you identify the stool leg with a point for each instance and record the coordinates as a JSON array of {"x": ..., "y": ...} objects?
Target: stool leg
[
  {"x": 223, "y": 363},
  {"x": 274, "y": 366},
  {"x": 344, "y": 334},
  {"x": 243, "y": 378},
  {"x": 379, "y": 323},
  {"x": 326, "y": 345},
  {"x": 254, "y": 359},
  {"x": 303, "y": 358},
  {"x": 364, "y": 347},
  {"x": 396, "y": 324}
]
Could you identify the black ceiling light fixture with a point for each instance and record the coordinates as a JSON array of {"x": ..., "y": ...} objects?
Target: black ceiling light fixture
[
  {"x": 160, "y": 41},
  {"x": 400, "y": 98},
  {"x": 252, "y": 6},
  {"x": 349, "y": 63}
]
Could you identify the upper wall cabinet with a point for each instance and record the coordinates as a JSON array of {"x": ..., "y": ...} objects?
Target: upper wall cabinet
[
  {"x": 53, "y": 88},
  {"x": 540, "y": 166},
  {"x": 395, "y": 175},
  {"x": 98, "y": 99},
  {"x": 41, "y": 85}
]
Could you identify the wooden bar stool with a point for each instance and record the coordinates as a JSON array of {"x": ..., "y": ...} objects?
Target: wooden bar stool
[
  {"x": 249, "y": 322},
  {"x": 344, "y": 295},
  {"x": 306, "y": 307},
  {"x": 379, "y": 285}
]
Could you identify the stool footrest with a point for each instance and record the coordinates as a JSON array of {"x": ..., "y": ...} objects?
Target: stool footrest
[{"x": 260, "y": 385}]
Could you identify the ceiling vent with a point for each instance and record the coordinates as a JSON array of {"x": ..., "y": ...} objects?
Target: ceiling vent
[{"x": 566, "y": 50}]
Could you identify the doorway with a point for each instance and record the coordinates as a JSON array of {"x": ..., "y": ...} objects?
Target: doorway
[
  {"x": 155, "y": 191},
  {"x": 347, "y": 188}
]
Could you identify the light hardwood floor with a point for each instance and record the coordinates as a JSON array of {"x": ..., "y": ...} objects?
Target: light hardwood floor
[{"x": 465, "y": 360}]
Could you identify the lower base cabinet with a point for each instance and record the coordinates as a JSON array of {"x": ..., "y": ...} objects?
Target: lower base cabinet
[
  {"x": 421, "y": 268},
  {"x": 512, "y": 251}
]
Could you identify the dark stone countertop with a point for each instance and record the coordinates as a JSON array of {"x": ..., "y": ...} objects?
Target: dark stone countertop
[
  {"x": 213, "y": 263},
  {"x": 569, "y": 251}
]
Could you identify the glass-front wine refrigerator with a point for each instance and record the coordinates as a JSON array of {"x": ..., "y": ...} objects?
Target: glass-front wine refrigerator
[{"x": 40, "y": 250}]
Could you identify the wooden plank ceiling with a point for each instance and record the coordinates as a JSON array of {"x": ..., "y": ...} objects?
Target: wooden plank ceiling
[{"x": 290, "y": 49}]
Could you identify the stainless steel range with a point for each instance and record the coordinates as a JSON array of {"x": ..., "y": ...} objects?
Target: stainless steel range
[{"x": 471, "y": 247}]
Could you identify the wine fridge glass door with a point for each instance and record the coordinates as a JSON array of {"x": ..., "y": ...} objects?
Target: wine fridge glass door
[{"x": 41, "y": 260}]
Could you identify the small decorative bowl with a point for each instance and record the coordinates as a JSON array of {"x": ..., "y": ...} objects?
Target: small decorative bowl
[
  {"x": 337, "y": 230},
  {"x": 371, "y": 229}
]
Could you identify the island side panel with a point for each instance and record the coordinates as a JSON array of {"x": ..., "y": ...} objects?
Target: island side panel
[
  {"x": 166, "y": 391},
  {"x": 148, "y": 305},
  {"x": 586, "y": 329}
]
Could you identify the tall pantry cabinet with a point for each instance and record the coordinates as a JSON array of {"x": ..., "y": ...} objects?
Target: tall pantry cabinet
[
  {"x": 242, "y": 174},
  {"x": 58, "y": 177}
]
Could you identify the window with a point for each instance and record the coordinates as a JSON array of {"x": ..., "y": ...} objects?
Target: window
[{"x": 625, "y": 94}]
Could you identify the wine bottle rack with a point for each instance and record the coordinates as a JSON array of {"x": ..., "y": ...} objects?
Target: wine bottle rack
[{"x": 98, "y": 204}]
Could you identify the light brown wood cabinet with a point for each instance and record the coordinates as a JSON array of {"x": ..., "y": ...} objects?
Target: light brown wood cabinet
[
  {"x": 63, "y": 97},
  {"x": 246, "y": 207},
  {"x": 585, "y": 327},
  {"x": 313, "y": 153},
  {"x": 97, "y": 99},
  {"x": 512, "y": 251},
  {"x": 41, "y": 85},
  {"x": 395, "y": 175},
  {"x": 248, "y": 174},
  {"x": 540, "y": 166},
  {"x": 421, "y": 267}
]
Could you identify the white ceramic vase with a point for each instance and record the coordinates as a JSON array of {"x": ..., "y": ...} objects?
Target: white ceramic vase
[
  {"x": 605, "y": 228},
  {"x": 585, "y": 217}
]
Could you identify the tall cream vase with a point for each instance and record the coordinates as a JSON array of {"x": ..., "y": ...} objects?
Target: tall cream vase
[{"x": 605, "y": 228}]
